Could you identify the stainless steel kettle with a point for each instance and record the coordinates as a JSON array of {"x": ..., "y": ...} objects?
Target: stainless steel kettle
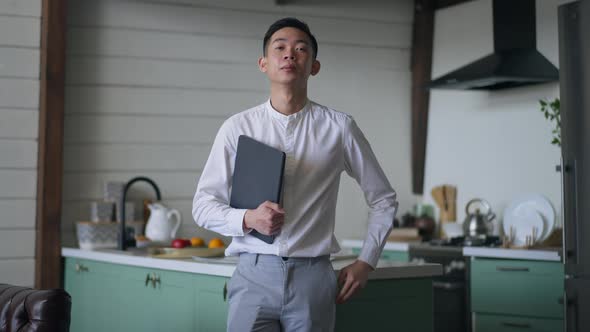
[{"x": 478, "y": 223}]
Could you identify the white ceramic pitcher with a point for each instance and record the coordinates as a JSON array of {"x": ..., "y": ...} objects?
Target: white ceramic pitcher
[{"x": 160, "y": 226}]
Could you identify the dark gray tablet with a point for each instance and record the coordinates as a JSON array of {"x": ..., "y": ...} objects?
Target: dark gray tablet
[{"x": 258, "y": 177}]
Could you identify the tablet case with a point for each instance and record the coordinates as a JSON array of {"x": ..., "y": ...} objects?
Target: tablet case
[{"x": 258, "y": 177}]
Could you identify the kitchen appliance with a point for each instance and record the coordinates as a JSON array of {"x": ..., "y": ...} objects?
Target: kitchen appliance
[
  {"x": 451, "y": 289},
  {"x": 452, "y": 309},
  {"x": 514, "y": 60},
  {"x": 478, "y": 223},
  {"x": 574, "y": 52}
]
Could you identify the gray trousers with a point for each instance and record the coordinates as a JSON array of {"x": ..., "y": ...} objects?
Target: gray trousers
[{"x": 268, "y": 293}]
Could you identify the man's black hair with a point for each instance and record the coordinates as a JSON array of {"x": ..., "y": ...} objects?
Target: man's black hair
[{"x": 290, "y": 22}]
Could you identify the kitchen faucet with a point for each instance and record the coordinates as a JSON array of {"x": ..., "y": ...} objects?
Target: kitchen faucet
[{"x": 122, "y": 231}]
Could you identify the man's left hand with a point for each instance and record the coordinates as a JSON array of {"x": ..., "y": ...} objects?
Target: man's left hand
[{"x": 352, "y": 278}]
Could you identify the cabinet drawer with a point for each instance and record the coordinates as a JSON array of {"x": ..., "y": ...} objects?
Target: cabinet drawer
[
  {"x": 392, "y": 255},
  {"x": 131, "y": 273},
  {"x": 505, "y": 323},
  {"x": 400, "y": 256},
  {"x": 517, "y": 287}
]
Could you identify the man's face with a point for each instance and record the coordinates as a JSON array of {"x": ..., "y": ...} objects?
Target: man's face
[{"x": 289, "y": 57}]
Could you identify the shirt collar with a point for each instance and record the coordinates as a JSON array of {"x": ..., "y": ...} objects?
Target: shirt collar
[{"x": 287, "y": 118}]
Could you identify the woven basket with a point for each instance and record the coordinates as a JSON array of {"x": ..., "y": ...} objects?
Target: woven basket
[
  {"x": 97, "y": 235},
  {"x": 103, "y": 234}
]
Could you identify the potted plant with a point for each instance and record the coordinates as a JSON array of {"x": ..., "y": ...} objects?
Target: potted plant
[{"x": 551, "y": 111}]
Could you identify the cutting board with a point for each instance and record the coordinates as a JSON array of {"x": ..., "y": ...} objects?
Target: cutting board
[{"x": 176, "y": 253}]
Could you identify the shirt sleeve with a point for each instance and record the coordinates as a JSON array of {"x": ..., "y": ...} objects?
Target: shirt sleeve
[
  {"x": 362, "y": 165},
  {"x": 211, "y": 208}
]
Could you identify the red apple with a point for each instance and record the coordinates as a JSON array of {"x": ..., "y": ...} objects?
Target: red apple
[{"x": 179, "y": 243}]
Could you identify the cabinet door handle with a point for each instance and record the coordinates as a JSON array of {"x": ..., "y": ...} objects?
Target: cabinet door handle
[
  {"x": 517, "y": 325},
  {"x": 225, "y": 292},
  {"x": 448, "y": 285},
  {"x": 156, "y": 280},
  {"x": 148, "y": 278},
  {"x": 512, "y": 269},
  {"x": 81, "y": 268}
]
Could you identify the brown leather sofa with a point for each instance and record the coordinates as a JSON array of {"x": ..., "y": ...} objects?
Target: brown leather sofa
[{"x": 26, "y": 310}]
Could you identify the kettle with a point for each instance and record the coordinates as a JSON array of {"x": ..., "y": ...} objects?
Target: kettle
[
  {"x": 160, "y": 226},
  {"x": 478, "y": 223}
]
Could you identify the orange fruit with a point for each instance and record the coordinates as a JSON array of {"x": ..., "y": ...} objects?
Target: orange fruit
[
  {"x": 216, "y": 243},
  {"x": 197, "y": 242}
]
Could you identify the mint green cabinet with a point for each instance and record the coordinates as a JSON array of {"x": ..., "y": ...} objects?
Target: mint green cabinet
[
  {"x": 91, "y": 291},
  {"x": 211, "y": 303},
  {"x": 392, "y": 255},
  {"x": 507, "y": 295},
  {"x": 112, "y": 297}
]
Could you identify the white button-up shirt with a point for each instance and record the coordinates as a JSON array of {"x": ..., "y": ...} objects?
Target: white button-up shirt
[{"x": 319, "y": 144}]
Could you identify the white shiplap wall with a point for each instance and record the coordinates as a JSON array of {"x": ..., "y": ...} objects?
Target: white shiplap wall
[
  {"x": 150, "y": 82},
  {"x": 19, "y": 112}
]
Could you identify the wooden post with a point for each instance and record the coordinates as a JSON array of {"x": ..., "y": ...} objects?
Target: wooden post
[
  {"x": 48, "y": 267},
  {"x": 422, "y": 39}
]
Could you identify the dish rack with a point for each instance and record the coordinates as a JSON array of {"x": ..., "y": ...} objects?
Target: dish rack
[{"x": 532, "y": 241}]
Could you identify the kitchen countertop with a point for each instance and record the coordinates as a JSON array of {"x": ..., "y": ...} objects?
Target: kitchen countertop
[
  {"x": 549, "y": 254},
  {"x": 385, "y": 269},
  {"x": 389, "y": 245},
  {"x": 530, "y": 254}
]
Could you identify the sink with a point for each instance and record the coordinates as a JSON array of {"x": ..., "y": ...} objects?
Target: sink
[{"x": 132, "y": 251}]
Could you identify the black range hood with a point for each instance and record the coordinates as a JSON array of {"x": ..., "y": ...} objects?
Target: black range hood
[{"x": 515, "y": 60}]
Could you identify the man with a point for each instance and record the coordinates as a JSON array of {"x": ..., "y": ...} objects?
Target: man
[{"x": 290, "y": 285}]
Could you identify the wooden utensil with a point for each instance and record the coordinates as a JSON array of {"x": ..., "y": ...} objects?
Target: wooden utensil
[
  {"x": 437, "y": 195},
  {"x": 451, "y": 202},
  {"x": 445, "y": 198}
]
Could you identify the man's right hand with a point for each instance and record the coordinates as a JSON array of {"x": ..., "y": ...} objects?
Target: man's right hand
[{"x": 267, "y": 219}]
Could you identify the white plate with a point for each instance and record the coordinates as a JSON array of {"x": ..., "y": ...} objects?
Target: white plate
[
  {"x": 523, "y": 213},
  {"x": 523, "y": 220}
]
